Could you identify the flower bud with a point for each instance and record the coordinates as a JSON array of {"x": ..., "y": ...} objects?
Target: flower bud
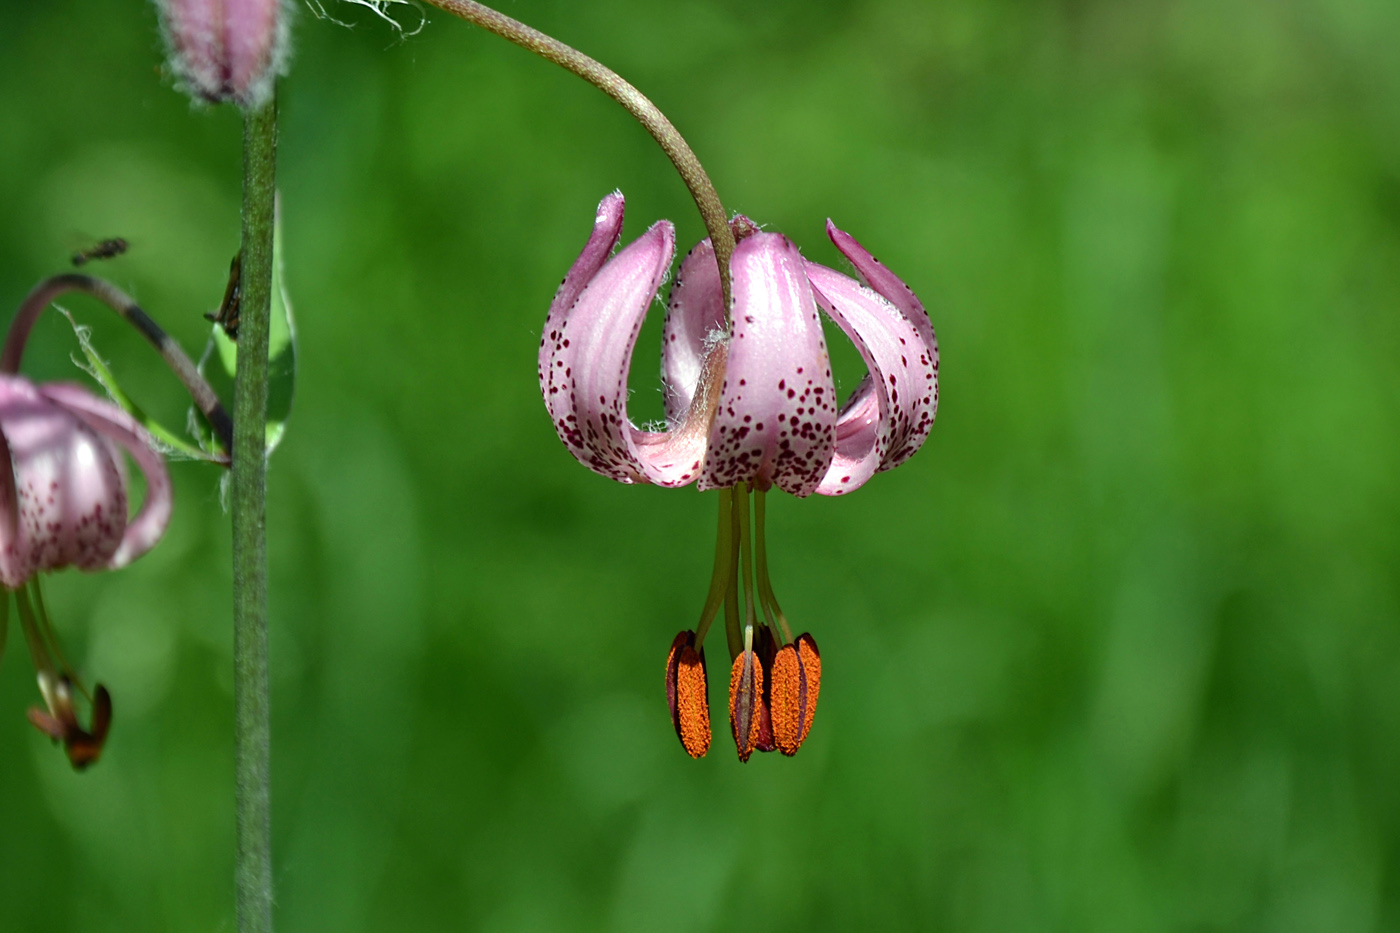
[
  {"x": 688, "y": 694},
  {"x": 226, "y": 49}
]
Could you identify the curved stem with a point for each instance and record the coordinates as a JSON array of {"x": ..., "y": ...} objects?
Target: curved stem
[
  {"x": 633, "y": 100},
  {"x": 248, "y": 502},
  {"x": 119, "y": 301}
]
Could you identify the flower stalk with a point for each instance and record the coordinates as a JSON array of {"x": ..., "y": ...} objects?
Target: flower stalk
[
  {"x": 43, "y": 294},
  {"x": 632, "y": 100},
  {"x": 253, "y": 866}
]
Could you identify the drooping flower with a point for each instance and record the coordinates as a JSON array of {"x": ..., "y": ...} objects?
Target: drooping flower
[
  {"x": 750, "y": 404},
  {"x": 63, "y": 501}
]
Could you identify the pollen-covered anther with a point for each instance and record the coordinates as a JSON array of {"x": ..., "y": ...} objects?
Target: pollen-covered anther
[
  {"x": 60, "y": 721},
  {"x": 797, "y": 677},
  {"x": 745, "y": 703},
  {"x": 688, "y": 694},
  {"x": 812, "y": 672},
  {"x": 789, "y": 698}
]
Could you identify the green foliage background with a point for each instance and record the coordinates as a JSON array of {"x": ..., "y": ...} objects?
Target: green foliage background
[{"x": 1119, "y": 650}]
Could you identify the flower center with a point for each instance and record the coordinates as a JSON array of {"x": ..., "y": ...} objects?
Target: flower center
[{"x": 695, "y": 427}]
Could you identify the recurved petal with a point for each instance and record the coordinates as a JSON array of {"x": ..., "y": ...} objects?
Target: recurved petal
[
  {"x": 607, "y": 230},
  {"x": 776, "y": 418},
  {"x": 903, "y": 381},
  {"x": 148, "y": 525},
  {"x": 885, "y": 282},
  {"x": 858, "y": 429},
  {"x": 892, "y": 287},
  {"x": 69, "y": 483},
  {"x": 588, "y": 340},
  {"x": 694, "y": 322}
]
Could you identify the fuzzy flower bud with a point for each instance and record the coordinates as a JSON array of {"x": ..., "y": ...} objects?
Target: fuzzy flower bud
[{"x": 226, "y": 49}]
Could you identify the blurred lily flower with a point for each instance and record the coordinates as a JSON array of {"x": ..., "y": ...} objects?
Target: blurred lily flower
[
  {"x": 63, "y": 501},
  {"x": 226, "y": 49},
  {"x": 750, "y": 404}
]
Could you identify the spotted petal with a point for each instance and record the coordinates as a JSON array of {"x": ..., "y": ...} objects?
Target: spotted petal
[
  {"x": 776, "y": 420},
  {"x": 148, "y": 525},
  {"x": 898, "y": 342},
  {"x": 885, "y": 282},
  {"x": 587, "y": 351},
  {"x": 891, "y": 410},
  {"x": 70, "y": 491}
]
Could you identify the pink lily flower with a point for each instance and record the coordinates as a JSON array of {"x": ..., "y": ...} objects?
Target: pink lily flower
[
  {"x": 63, "y": 501},
  {"x": 750, "y": 404},
  {"x": 63, "y": 493}
]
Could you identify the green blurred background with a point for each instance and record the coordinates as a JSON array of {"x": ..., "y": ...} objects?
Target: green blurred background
[{"x": 1119, "y": 650}]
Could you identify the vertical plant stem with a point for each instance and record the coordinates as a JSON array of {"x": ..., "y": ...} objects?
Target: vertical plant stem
[{"x": 253, "y": 866}]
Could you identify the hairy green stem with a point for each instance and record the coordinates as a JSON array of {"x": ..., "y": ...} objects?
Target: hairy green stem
[
  {"x": 253, "y": 866},
  {"x": 633, "y": 100}
]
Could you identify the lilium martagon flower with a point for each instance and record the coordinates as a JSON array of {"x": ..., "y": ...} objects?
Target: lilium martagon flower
[
  {"x": 750, "y": 404},
  {"x": 63, "y": 501}
]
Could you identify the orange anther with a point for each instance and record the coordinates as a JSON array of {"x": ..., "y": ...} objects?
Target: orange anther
[
  {"x": 745, "y": 701},
  {"x": 812, "y": 672},
  {"x": 688, "y": 694},
  {"x": 790, "y": 700}
]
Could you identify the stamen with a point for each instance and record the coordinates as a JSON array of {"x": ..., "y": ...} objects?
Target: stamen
[
  {"x": 812, "y": 669},
  {"x": 745, "y": 690},
  {"x": 789, "y": 699},
  {"x": 41, "y": 614},
  {"x": 688, "y": 695},
  {"x": 741, "y": 518},
  {"x": 764, "y": 648},
  {"x": 765, "y": 586},
  {"x": 724, "y": 566},
  {"x": 732, "y": 626},
  {"x": 38, "y": 648},
  {"x": 58, "y": 720}
]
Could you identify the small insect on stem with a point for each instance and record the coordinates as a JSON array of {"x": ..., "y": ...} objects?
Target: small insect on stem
[
  {"x": 106, "y": 249},
  {"x": 227, "y": 315}
]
